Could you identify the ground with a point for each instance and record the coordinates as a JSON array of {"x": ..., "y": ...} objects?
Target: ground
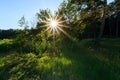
[{"x": 78, "y": 61}]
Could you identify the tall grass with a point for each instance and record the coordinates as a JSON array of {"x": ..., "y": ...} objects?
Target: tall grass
[{"x": 76, "y": 62}]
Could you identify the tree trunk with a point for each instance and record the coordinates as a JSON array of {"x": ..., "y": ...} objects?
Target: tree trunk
[
  {"x": 102, "y": 22},
  {"x": 110, "y": 27},
  {"x": 117, "y": 28}
]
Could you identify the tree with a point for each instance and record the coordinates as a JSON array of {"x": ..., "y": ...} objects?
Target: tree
[
  {"x": 113, "y": 13},
  {"x": 117, "y": 4},
  {"x": 103, "y": 16},
  {"x": 42, "y": 16},
  {"x": 81, "y": 15},
  {"x": 23, "y": 23}
]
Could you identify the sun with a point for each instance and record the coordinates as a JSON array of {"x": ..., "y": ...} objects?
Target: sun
[{"x": 53, "y": 24}]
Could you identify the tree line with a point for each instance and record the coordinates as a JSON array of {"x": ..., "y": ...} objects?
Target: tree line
[{"x": 85, "y": 18}]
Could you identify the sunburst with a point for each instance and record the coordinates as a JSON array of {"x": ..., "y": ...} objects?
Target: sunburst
[{"x": 55, "y": 25}]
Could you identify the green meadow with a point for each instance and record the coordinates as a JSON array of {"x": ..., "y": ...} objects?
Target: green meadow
[{"x": 77, "y": 61}]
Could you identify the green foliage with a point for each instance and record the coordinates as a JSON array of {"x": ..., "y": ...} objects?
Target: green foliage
[
  {"x": 38, "y": 43},
  {"x": 5, "y": 45},
  {"x": 23, "y": 23},
  {"x": 35, "y": 55},
  {"x": 42, "y": 16},
  {"x": 8, "y": 34},
  {"x": 81, "y": 16},
  {"x": 79, "y": 61},
  {"x": 29, "y": 66}
]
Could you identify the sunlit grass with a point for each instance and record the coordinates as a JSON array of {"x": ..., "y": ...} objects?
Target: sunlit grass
[
  {"x": 30, "y": 66},
  {"x": 7, "y": 41},
  {"x": 78, "y": 62}
]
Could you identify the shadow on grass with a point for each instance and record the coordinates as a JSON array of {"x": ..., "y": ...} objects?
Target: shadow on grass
[
  {"x": 6, "y": 45},
  {"x": 89, "y": 63},
  {"x": 78, "y": 62},
  {"x": 5, "y": 48}
]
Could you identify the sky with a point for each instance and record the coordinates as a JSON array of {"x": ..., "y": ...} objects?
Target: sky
[{"x": 12, "y": 10}]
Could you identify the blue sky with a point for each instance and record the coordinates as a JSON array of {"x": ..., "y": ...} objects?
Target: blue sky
[{"x": 12, "y": 10}]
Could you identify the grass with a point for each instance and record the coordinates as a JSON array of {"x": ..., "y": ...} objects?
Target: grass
[{"x": 79, "y": 61}]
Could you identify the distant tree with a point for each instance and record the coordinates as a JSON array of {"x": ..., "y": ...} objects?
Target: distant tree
[
  {"x": 10, "y": 33},
  {"x": 23, "y": 22},
  {"x": 117, "y": 5},
  {"x": 113, "y": 12},
  {"x": 103, "y": 17}
]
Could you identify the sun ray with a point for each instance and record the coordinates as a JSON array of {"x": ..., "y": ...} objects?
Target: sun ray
[
  {"x": 70, "y": 37},
  {"x": 55, "y": 25}
]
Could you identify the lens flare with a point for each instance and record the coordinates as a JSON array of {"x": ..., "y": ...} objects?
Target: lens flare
[{"x": 55, "y": 25}]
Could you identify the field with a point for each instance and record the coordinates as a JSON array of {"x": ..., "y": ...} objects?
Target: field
[{"x": 76, "y": 61}]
